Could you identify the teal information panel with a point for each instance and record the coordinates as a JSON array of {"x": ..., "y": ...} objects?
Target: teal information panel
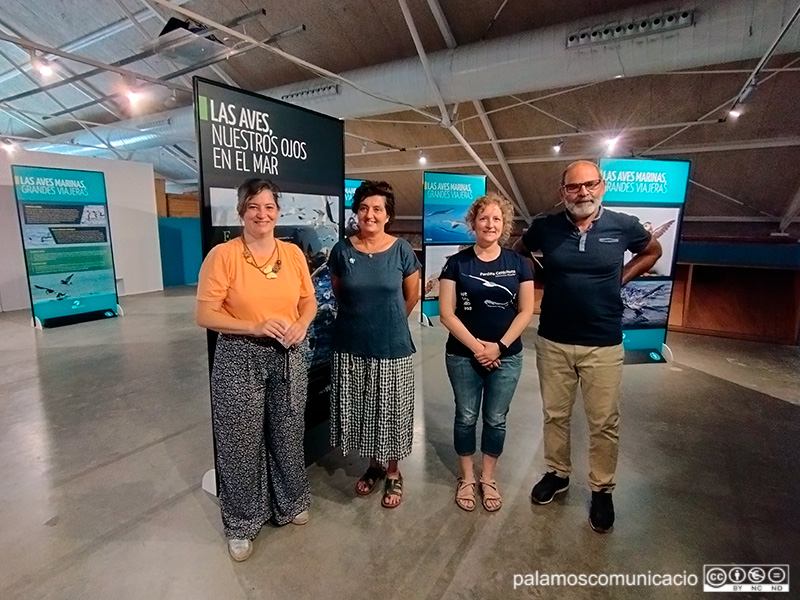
[
  {"x": 445, "y": 200},
  {"x": 350, "y": 219},
  {"x": 446, "y": 197},
  {"x": 65, "y": 236},
  {"x": 645, "y": 181},
  {"x": 654, "y": 192}
]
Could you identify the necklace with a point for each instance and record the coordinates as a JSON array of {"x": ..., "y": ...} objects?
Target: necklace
[
  {"x": 270, "y": 271},
  {"x": 378, "y": 245}
]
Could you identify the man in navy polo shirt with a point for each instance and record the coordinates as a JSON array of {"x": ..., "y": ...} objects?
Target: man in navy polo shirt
[{"x": 580, "y": 328}]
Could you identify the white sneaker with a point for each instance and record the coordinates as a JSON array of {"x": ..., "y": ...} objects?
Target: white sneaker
[
  {"x": 301, "y": 519},
  {"x": 240, "y": 549}
]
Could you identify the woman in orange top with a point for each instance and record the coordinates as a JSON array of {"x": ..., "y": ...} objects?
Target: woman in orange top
[{"x": 256, "y": 292}]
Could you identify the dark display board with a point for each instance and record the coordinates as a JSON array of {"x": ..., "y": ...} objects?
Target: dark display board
[
  {"x": 654, "y": 191},
  {"x": 241, "y": 135},
  {"x": 446, "y": 197},
  {"x": 63, "y": 217}
]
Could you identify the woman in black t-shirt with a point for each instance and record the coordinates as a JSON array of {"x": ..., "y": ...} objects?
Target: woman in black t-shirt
[{"x": 485, "y": 302}]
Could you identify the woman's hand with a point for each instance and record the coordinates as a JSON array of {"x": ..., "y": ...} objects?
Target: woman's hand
[
  {"x": 489, "y": 355},
  {"x": 295, "y": 333},
  {"x": 275, "y": 328}
]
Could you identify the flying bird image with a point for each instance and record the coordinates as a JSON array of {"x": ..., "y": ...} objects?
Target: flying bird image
[
  {"x": 61, "y": 296},
  {"x": 634, "y": 298},
  {"x": 441, "y": 211},
  {"x": 454, "y": 224},
  {"x": 657, "y": 232},
  {"x": 68, "y": 279},
  {"x": 329, "y": 210},
  {"x": 46, "y": 289}
]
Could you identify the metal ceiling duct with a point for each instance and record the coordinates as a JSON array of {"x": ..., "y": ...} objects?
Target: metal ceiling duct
[{"x": 724, "y": 31}]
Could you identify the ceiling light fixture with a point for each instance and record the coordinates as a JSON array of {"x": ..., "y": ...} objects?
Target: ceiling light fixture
[
  {"x": 735, "y": 111},
  {"x": 9, "y": 146},
  {"x": 557, "y": 148},
  {"x": 422, "y": 159},
  {"x": 610, "y": 143},
  {"x": 41, "y": 64}
]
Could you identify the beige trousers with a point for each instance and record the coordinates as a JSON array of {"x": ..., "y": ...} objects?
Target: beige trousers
[{"x": 598, "y": 370}]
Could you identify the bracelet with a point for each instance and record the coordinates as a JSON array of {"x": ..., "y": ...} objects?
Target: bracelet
[{"x": 502, "y": 346}]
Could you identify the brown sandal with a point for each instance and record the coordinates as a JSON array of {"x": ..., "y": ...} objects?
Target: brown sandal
[
  {"x": 370, "y": 479},
  {"x": 465, "y": 495},
  {"x": 489, "y": 492},
  {"x": 393, "y": 487}
]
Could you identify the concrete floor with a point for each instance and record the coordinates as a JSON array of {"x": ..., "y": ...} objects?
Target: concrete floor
[{"x": 105, "y": 435}]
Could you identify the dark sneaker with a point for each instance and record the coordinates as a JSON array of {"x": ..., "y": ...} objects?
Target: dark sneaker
[
  {"x": 601, "y": 513},
  {"x": 550, "y": 485}
]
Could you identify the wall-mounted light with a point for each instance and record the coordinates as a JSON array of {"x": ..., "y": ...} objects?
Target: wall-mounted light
[
  {"x": 611, "y": 144},
  {"x": 422, "y": 159}
]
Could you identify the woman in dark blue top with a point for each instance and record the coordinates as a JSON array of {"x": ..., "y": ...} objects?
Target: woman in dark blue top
[
  {"x": 486, "y": 302},
  {"x": 375, "y": 277}
]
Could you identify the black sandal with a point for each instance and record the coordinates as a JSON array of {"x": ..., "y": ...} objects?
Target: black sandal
[
  {"x": 393, "y": 487},
  {"x": 370, "y": 478}
]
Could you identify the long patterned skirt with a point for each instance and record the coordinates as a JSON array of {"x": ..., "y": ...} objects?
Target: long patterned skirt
[{"x": 372, "y": 405}]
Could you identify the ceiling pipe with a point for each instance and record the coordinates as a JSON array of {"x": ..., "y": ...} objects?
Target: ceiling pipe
[{"x": 529, "y": 61}]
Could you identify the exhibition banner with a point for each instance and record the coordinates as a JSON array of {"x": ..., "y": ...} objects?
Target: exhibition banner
[
  {"x": 63, "y": 217},
  {"x": 350, "y": 225},
  {"x": 242, "y": 135},
  {"x": 643, "y": 181},
  {"x": 654, "y": 192},
  {"x": 446, "y": 197},
  {"x": 445, "y": 200}
]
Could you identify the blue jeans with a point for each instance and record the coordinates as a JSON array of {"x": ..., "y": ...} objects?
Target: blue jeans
[{"x": 495, "y": 388}]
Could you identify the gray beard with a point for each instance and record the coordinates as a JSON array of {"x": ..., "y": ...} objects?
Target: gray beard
[{"x": 584, "y": 210}]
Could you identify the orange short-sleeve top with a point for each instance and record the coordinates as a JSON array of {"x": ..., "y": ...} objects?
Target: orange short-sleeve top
[{"x": 244, "y": 290}]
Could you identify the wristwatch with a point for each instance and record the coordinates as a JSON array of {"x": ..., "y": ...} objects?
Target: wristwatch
[{"x": 502, "y": 346}]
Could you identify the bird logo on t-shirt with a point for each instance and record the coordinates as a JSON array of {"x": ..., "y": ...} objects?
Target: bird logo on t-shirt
[{"x": 492, "y": 284}]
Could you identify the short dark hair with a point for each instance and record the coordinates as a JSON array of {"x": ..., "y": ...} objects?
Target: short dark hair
[
  {"x": 253, "y": 187},
  {"x": 375, "y": 188}
]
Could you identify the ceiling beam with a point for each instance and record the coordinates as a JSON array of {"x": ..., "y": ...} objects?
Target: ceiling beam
[
  {"x": 317, "y": 70},
  {"x": 791, "y": 212},
  {"x": 91, "y": 38},
  {"x": 559, "y": 136},
  {"x": 450, "y": 41},
  {"x": 520, "y": 160},
  {"x": 731, "y": 199},
  {"x": 87, "y": 61}
]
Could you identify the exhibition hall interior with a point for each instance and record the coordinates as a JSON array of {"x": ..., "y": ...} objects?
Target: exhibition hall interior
[{"x": 126, "y": 127}]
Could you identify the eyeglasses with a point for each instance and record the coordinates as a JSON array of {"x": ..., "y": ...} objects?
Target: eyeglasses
[{"x": 574, "y": 188}]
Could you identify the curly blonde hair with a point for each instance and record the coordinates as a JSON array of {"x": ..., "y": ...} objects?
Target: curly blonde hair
[{"x": 506, "y": 208}]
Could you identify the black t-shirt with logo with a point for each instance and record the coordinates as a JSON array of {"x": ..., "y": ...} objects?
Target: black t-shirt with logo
[
  {"x": 486, "y": 295},
  {"x": 583, "y": 274}
]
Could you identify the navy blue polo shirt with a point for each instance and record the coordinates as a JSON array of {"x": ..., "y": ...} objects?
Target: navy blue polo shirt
[{"x": 583, "y": 275}]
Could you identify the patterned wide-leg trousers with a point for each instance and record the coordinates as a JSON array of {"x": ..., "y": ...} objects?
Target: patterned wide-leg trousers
[{"x": 258, "y": 400}]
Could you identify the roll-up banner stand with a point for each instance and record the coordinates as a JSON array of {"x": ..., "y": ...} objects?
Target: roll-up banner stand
[
  {"x": 66, "y": 240},
  {"x": 654, "y": 191},
  {"x": 446, "y": 197},
  {"x": 241, "y": 135}
]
